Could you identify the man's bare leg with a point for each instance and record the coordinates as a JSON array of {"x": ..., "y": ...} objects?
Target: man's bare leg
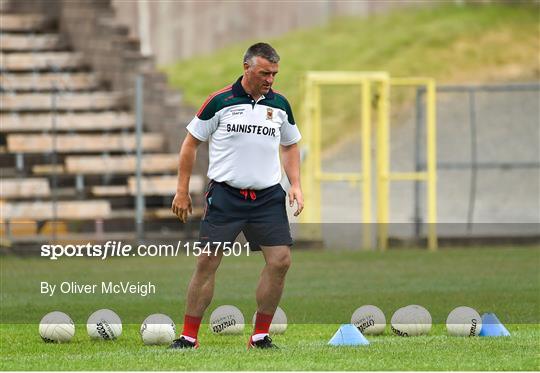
[
  {"x": 201, "y": 286},
  {"x": 271, "y": 284},
  {"x": 199, "y": 296},
  {"x": 272, "y": 280}
]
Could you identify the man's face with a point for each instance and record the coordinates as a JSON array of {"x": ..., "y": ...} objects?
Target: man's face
[{"x": 260, "y": 75}]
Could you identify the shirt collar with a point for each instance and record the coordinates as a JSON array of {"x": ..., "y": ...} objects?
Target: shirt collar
[{"x": 238, "y": 90}]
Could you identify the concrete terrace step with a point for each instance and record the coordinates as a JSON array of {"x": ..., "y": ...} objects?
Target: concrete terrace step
[
  {"x": 121, "y": 164},
  {"x": 26, "y": 243},
  {"x": 22, "y": 188},
  {"x": 155, "y": 213},
  {"x": 64, "y": 101},
  {"x": 51, "y": 61},
  {"x": 164, "y": 185},
  {"x": 110, "y": 190},
  {"x": 82, "y": 143},
  {"x": 151, "y": 186},
  {"x": 25, "y": 22},
  {"x": 48, "y": 81},
  {"x": 48, "y": 169},
  {"x": 107, "y": 120},
  {"x": 64, "y": 210},
  {"x": 31, "y": 42}
]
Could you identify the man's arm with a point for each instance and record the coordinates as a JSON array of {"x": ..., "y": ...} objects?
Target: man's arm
[
  {"x": 181, "y": 204},
  {"x": 290, "y": 156}
]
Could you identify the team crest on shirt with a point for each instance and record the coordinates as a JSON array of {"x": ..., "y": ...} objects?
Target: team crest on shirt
[{"x": 269, "y": 113}]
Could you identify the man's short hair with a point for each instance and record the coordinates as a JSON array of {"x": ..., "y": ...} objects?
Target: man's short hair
[{"x": 263, "y": 50}]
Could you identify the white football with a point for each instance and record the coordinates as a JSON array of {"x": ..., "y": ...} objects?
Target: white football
[
  {"x": 424, "y": 317},
  {"x": 56, "y": 327},
  {"x": 369, "y": 320},
  {"x": 411, "y": 321},
  {"x": 279, "y": 321},
  {"x": 227, "y": 320},
  {"x": 104, "y": 324},
  {"x": 464, "y": 322},
  {"x": 158, "y": 329}
]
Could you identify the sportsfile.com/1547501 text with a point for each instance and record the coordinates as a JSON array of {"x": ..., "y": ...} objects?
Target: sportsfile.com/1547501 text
[{"x": 120, "y": 249}]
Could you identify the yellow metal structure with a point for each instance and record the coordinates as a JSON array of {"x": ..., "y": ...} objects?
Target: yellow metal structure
[
  {"x": 312, "y": 128},
  {"x": 380, "y": 84},
  {"x": 430, "y": 176}
]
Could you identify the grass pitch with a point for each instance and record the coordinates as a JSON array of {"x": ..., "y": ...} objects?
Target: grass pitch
[
  {"x": 303, "y": 347},
  {"x": 323, "y": 289}
]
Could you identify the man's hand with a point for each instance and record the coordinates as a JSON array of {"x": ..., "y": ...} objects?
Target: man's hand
[
  {"x": 181, "y": 206},
  {"x": 295, "y": 193}
]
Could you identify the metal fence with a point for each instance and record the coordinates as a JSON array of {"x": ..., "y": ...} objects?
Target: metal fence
[{"x": 491, "y": 133}]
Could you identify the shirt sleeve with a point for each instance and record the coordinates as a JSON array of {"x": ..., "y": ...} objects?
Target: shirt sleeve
[
  {"x": 289, "y": 130},
  {"x": 206, "y": 122},
  {"x": 202, "y": 129}
]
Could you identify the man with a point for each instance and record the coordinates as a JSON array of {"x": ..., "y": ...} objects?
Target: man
[{"x": 246, "y": 125}]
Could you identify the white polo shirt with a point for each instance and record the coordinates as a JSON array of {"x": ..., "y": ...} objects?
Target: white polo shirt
[{"x": 244, "y": 136}]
